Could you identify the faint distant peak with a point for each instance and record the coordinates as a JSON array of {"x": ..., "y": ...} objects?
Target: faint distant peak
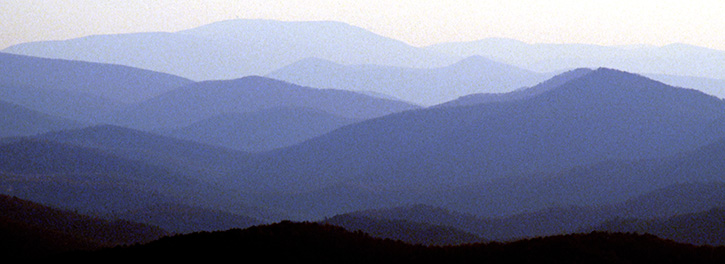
[
  {"x": 553, "y": 82},
  {"x": 315, "y": 62},
  {"x": 422, "y": 207},
  {"x": 105, "y": 129},
  {"x": 293, "y": 111},
  {"x": 493, "y": 41},
  {"x": 690, "y": 48},
  {"x": 383, "y": 96},
  {"x": 253, "y": 80},
  {"x": 257, "y": 78},
  {"x": 504, "y": 41},
  {"x": 476, "y": 60},
  {"x": 610, "y": 72},
  {"x": 635, "y": 46},
  {"x": 564, "y": 77},
  {"x": 228, "y": 28}
]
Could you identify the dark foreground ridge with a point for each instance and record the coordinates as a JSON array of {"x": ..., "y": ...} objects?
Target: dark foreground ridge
[
  {"x": 29, "y": 229},
  {"x": 300, "y": 242}
]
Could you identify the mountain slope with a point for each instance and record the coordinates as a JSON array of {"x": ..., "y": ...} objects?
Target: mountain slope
[
  {"x": 603, "y": 115},
  {"x": 402, "y": 230},
  {"x": 180, "y": 156},
  {"x": 420, "y": 213},
  {"x": 31, "y": 230},
  {"x": 603, "y": 183},
  {"x": 85, "y": 179},
  {"x": 180, "y": 219},
  {"x": 710, "y": 86},
  {"x": 97, "y": 170},
  {"x": 16, "y": 120},
  {"x": 192, "y": 103},
  {"x": 703, "y": 228},
  {"x": 236, "y": 48},
  {"x": 81, "y": 226},
  {"x": 422, "y": 86},
  {"x": 82, "y": 107},
  {"x": 671, "y": 202},
  {"x": 678, "y": 199},
  {"x": 261, "y": 130},
  {"x": 519, "y": 94},
  {"x": 113, "y": 82},
  {"x": 213, "y": 173}
]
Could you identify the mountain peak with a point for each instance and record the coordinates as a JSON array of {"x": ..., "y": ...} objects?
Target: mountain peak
[
  {"x": 476, "y": 61},
  {"x": 612, "y": 78},
  {"x": 250, "y": 81},
  {"x": 606, "y": 88},
  {"x": 604, "y": 70},
  {"x": 268, "y": 23},
  {"x": 555, "y": 81}
]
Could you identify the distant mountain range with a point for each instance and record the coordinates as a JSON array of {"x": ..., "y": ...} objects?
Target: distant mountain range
[
  {"x": 81, "y": 107},
  {"x": 583, "y": 128},
  {"x": 198, "y": 101},
  {"x": 705, "y": 85},
  {"x": 594, "y": 118},
  {"x": 683, "y": 209},
  {"x": 237, "y": 48},
  {"x": 248, "y": 122},
  {"x": 543, "y": 157},
  {"x": 416, "y": 233},
  {"x": 573, "y": 219},
  {"x": 426, "y": 86},
  {"x": 702, "y": 228},
  {"x": 103, "y": 182},
  {"x": 182, "y": 219},
  {"x": 710, "y": 86},
  {"x": 562, "y": 147},
  {"x": 80, "y": 91},
  {"x": 674, "y": 59},
  {"x": 261, "y": 47},
  {"x": 86, "y": 179},
  {"x": 603, "y": 183},
  {"x": 518, "y": 94},
  {"x": 164, "y": 103},
  {"x": 261, "y": 130},
  {"x": 180, "y": 157},
  {"x": 114, "y": 83},
  {"x": 340, "y": 56},
  {"x": 16, "y": 121}
]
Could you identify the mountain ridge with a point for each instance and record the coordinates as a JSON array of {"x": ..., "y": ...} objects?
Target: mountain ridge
[
  {"x": 316, "y": 242},
  {"x": 607, "y": 120},
  {"x": 236, "y": 48},
  {"x": 122, "y": 83},
  {"x": 21, "y": 121},
  {"x": 195, "y": 102},
  {"x": 31, "y": 230},
  {"x": 674, "y": 59},
  {"x": 518, "y": 94},
  {"x": 425, "y": 86},
  {"x": 261, "y": 130}
]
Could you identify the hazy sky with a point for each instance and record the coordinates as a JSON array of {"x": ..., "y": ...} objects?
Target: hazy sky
[{"x": 417, "y": 22}]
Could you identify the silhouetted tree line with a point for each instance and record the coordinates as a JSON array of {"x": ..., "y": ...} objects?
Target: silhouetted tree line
[{"x": 288, "y": 241}]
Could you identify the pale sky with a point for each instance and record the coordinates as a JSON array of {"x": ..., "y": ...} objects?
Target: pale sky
[{"x": 417, "y": 22}]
